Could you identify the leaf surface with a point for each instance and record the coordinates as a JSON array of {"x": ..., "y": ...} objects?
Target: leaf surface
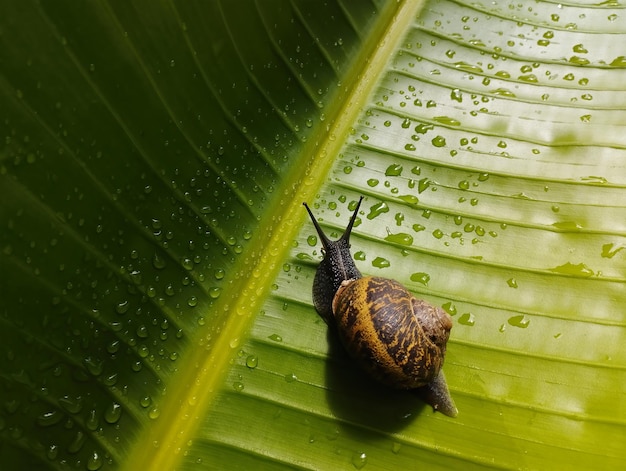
[{"x": 156, "y": 272}]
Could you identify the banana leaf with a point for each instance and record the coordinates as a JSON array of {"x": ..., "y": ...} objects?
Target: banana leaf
[{"x": 156, "y": 262}]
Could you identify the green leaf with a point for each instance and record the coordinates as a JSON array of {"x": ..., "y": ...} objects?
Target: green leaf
[{"x": 155, "y": 271}]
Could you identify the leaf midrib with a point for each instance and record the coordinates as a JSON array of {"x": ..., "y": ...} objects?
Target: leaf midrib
[{"x": 195, "y": 388}]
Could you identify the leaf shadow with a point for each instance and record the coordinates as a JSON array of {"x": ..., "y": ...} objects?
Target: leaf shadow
[{"x": 363, "y": 405}]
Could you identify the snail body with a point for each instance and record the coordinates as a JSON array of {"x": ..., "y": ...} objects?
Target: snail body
[{"x": 396, "y": 338}]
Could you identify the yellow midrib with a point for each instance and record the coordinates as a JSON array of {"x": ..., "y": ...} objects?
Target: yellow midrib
[{"x": 192, "y": 390}]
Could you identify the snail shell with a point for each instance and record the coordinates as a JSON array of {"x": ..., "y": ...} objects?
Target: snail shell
[{"x": 396, "y": 338}]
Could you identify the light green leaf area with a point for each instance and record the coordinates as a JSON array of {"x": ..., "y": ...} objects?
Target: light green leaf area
[{"x": 156, "y": 262}]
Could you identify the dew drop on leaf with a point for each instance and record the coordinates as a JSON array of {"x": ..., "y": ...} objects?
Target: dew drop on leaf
[
  {"x": 439, "y": 141},
  {"x": 424, "y": 128},
  {"x": 394, "y": 170},
  {"x": 410, "y": 199},
  {"x": 252, "y": 361},
  {"x": 215, "y": 292},
  {"x": 401, "y": 238},
  {"x": 113, "y": 413},
  {"x": 92, "y": 422},
  {"x": 520, "y": 321},
  {"x": 421, "y": 277},
  {"x": 380, "y": 262},
  {"x": 275, "y": 338},
  {"x": 94, "y": 462},
  {"x": 360, "y": 255},
  {"x": 377, "y": 210},
  {"x": 450, "y": 308},
  {"x": 359, "y": 460}
]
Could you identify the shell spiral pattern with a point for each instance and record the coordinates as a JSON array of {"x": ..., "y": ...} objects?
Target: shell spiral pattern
[{"x": 398, "y": 339}]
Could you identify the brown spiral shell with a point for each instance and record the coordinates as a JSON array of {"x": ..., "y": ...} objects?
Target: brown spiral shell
[{"x": 398, "y": 339}]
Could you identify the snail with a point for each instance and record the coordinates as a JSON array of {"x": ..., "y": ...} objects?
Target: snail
[{"x": 396, "y": 338}]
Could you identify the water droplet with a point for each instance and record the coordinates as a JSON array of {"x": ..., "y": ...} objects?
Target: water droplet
[
  {"x": 467, "y": 319},
  {"x": 380, "y": 262},
  {"x": 154, "y": 413},
  {"x": 311, "y": 240},
  {"x": 578, "y": 60},
  {"x": 410, "y": 199},
  {"x": 359, "y": 460},
  {"x": 580, "y": 269},
  {"x": 447, "y": 121},
  {"x": 456, "y": 95},
  {"x": 450, "y": 308},
  {"x": 291, "y": 377},
  {"x": 52, "y": 452},
  {"x": 396, "y": 447},
  {"x": 94, "y": 462},
  {"x": 158, "y": 262},
  {"x": 529, "y": 78},
  {"x": 113, "y": 413},
  {"x": 215, "y": 292},
  {"x": 360, "y": 255},
  {"x": 421, "y": 277},
  {"x": 438, "y": 234},
  {"x": 520, "y": 321},
  {"x": 399, "y": 238},
  {"x": 92, "y": 421},
  {"x": 439, "y": 141},
  {"x": 122, "y": 307},
  {"x": 142, "y": 331},
  {"x": 610, "y": 250},
  {"x": 275, "y": 338},
  {"x": 187, "y": 263},
  {"x": 71, "y": 405},
  {"x": 424, "y": 128},
  {"x": 252, "y": 361},
  {"x": 512, "y": 282},
  {"x": 377, "y": 210},
  {"x": 504, "y": 92},
  {"x": 569, "y": 226},
  {"x": 77, "y": 443},
  {"x": 393, "y": 170},
  {"x": 49, "y": 418},
  {"x": 93, "y": 365}
]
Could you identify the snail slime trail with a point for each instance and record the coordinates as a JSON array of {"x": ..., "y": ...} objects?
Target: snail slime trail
[{"x": 397, "y": 339}]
